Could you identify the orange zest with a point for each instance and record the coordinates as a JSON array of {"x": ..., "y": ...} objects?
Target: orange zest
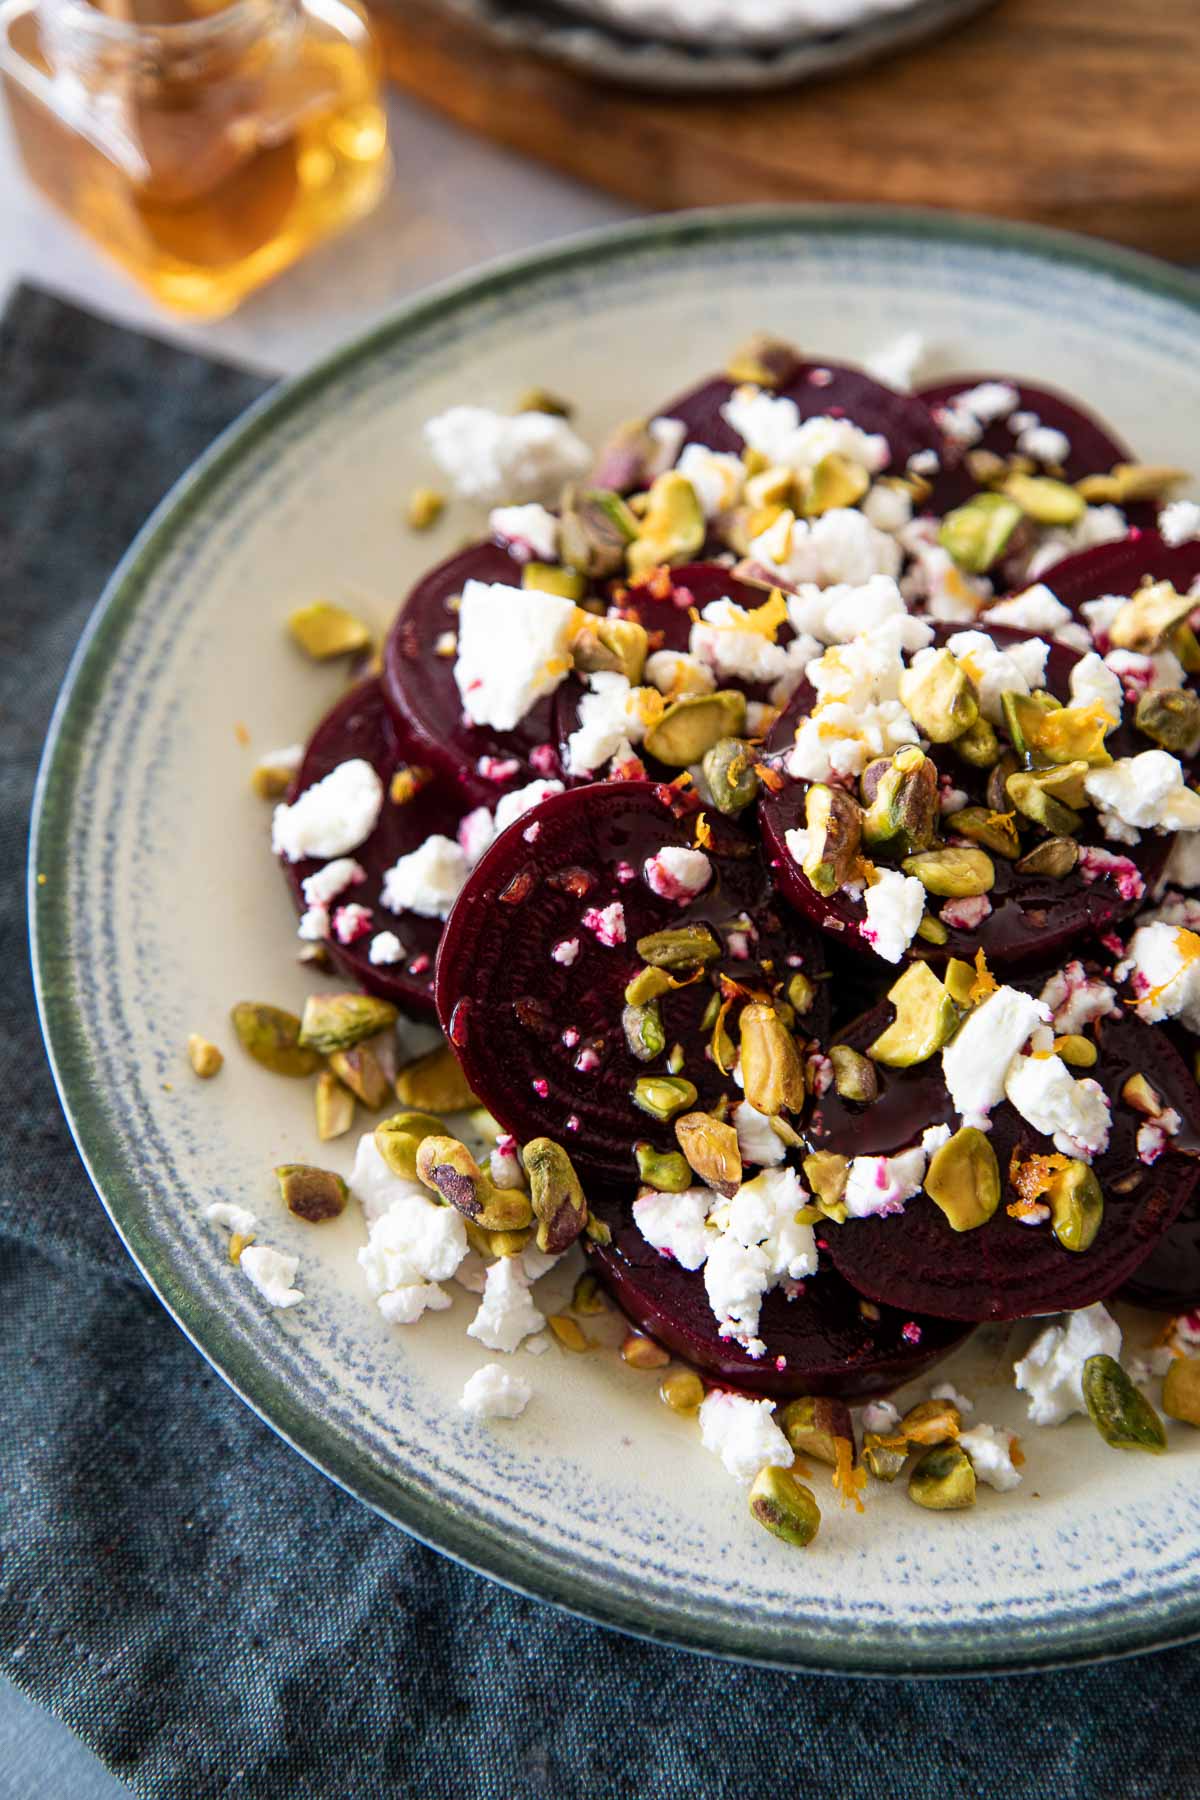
[{"x": 985, "y": 982}]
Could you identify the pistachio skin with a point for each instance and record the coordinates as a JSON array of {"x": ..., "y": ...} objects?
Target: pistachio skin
[
  {"x": 1181, "y": 1390},
  {"x": 771, "y": 1067},
  {"x": 272, "y": 1037},
  {"x": 339, "y": 1021},
  {"x": 943, "y": 1480},
  {"x": 314, "y": 1195},
  {"x": 1124, "y": 1417},
  {"x": 814, "y": 1425},
  {"x": 711, "y": 1149},
  {"x": 555, "y": 1193},
  {"x": 786, "y": 1508},
  {"x": 435, "y": 1083},
  {"x": 963, "y": 1179}
]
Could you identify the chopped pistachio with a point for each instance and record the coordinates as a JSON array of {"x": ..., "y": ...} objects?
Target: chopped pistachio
[
  {"x": 361, "y": 1070},
  {"x": 979, "y": 746},
  {"x": 569, "y": 1334},
  {"x": 1171, "y": 719},
  {"x": 884, "y": 1456},
  {"x": 272, "y": 1037},
  {"x": 641, "y": 1352},
  {"x": 1054, "y": 858},
  {"x": 399, "y": 1138},
  {"x": 835, "y": 821},
  {"x": 313, "y": 1195},
  {"x": 1130, "y": 482},
  {"x": 963, "y": 1179},
  {"x": 853, "y": 1076},
  {"x": 678, "y": 947},
  {"x": 271, "y": 780},
  {"x": 497, "y": 1243},
  {"x": 662, "y": 1096},
  {"x": 959, "y": 979},
  {"x": 1144, "y": 1098},
  {"x": 643, "y": 1028},
  {"x": 956, "y": 872},
  {"x": 1044, "y": 501},
  {"x": 672, "y": 529},
  {"x": 771, "y": 1068},
  {"x": 435, "y": 1083},
  {"x": 205, "y": 1058},
  {"x": 711, "y": 1149},
  {"x": 1079, "y": 1051},
  {"x": 815, "y": 1425},
  {"x": 541, "y": 400},
  {"x": 827, "y": 1174},
  {"x": 237, "y": 1243},
  {"x": 682, "y": 1390},
  {"x": 1148, "y": 617},
  {"x": 835, "y": 482},
  {"x": 784, "y": 1506},
  {"x": 425, "y": 506},
  {"x": 596, "y": 530},
  {"x": 926, "y": 1018},
  {"x": 324, "y": 631},
  {"x": 555, "y": 1193},
  {"x": 1076, "y": 1205},
  {"x": 664, "y": 1170},
  {"x": 939, "y": 698},
  {"x": 613, "y": 646},
  {"x": 903, "y": 805},
  {"x": 587, "y": 1296},
  {"x": 765, "y": 361},
  {"x": 334, "y": 1107},
  {"x": 551, "y": 578},
  {"x": 730, "y": 773},
  {"x": 943, "y": 1480},
  {"x": 1181, "y": 1390},
  {"x": 690, "y": 727},
  {"x": 995, "y": 831},
  {"x": 977, "y": 533},
  {"x": 448, "y": 1167},
  {"x": 931, "y": 1422},
  {"x": 801, "y": 993},
  {"x": 338, "y": 1021},
  {"x": 597, "y": 1231},
  {"x": 1050, "y": 797},
  {"x": 1124, "y": 1417},
  {"x": 648, "y": 985}
]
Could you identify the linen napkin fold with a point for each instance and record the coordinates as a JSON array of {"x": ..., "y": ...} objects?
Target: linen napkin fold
[{"x": 211, "y": 1615}]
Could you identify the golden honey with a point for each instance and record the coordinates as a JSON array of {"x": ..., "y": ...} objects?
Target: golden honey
[{"x": 203, "y": 145}]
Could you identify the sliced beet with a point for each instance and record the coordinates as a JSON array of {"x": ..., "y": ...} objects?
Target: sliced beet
[
  {"x": 1094, "y": 448},
  {"x": 838, "y": 390},
  {"x": 523, "y": 1022},
  {"x": 821, "y": 1342},
  {"x": 1004, "y": 1269},
  {"x": 362, "y": 725},
  {"x": 1032, "y": 918},
  {"x": 1169, "y": 1279},
  {"x": 1121, "y": 568},
  {"x": 421, "y": 690}
]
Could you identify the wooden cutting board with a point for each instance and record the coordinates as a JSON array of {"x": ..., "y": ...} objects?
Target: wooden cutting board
[{"x": 1078, "y": 113}]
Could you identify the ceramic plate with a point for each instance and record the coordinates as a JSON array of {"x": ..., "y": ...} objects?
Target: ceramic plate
[{"x": 161, "y": 906}]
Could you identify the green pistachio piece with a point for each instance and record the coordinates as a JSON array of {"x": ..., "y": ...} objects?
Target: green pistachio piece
[
  {"x": 835, "y": 482},
  {"x": 884, "y": 1457},
  {"x": 902, "y": 802},
  {"x": 977, "y": 533},
  {"x": 662, "y": 1096},
  {"x": 1054, "y": 857},
  {"x": 672, "y": 528},
  {"x": 336, "y": 1021},
  {"x": 448, "y": 1167},
  {"x": 1171, "y": 718},
  {"x": 995, "y": 831},
  {"x": 926, "y": 1018},
  {"x": 596, "y": 528},
  {"x": 644, "y": 1032},
  {"x": 690, "y": 727},
  {"x": 678, "y": 947},
  {"x": 854, "y": 1076},
  {"x": 399, "y": 1138},
  {"x": 313, "y": 1195},
  {"x": 1076, "y": 1205},
  {"x": 324, "y": 631},
  {"x": 555, "y": 1193},
  {"x": 827, "y": 1174},
  {"x": 361, "y": 1070},
  {"x": 764, "y": 361},
  {"x": 647, "y": 985},
  {"x": 1129, "y": 482},
  {"x": 666, "y": 1171},
  {"x": 1023, "y": 714},
  {"x": 784, "y": 1506},
  {"x": 1042, "y": 729},
  {"x": 959, "y": 978},
  {"x": 815, "y": 1425},
  {"x": 1050, "y": 797},
  {"x": 334, "y": 1107},
  {"x": 435, "y": 1083},
  {"x": 540, "y": 400},
  {"x": 425, "y": 507},
  {"x": 272, "y": 1037},
  {"x": 1124, "y": 1417},
  {"x": 1181, "y": 1390},
  {"x": 932, "y": 931},
  {"x": 978, "y": 746},
  {"x": 771, "y": 1068},
  {"x": 943, "y": 1480},
  {"x": 834, "y": 821},
  {"x": 963, "y": 1179},
  {"x": 711, "y": 1149},
  {"x": 1147, "y": 619},
  {"x": 1045, "y": 501},
  {"x": 801, "y": 993},
  {"x": 931, "y": 1422},
  {"x": 1080, "y": 1052},
  {"x": 730, "y": 774},
  {"x": 956, "y": 873},
  {"x": 549, "y": 578},
  {"x": 939, "y": 697},
  {"x": 996, "y": 791},
  {"x": 613, "y": 646},
  {"x": 1186, "y": 646}
]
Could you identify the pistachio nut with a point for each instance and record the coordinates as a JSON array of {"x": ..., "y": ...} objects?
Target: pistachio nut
[
  {"x": 943, "y": 1480},
  {"x": 977, "y": 533},
  {"x": 784, "y": 1506},
  {"x": 627, "y": 459},
  {"x": 731, "y": 775},
  {"x": 360, "y": 1069},
  {"x": 682, "y": 1390},
  {"x": 1171, "y": 718},
  {"x": 334, "y": 1107},
  {"x": 205, "y": 1058},
  {"x": 596, "y": 528},
  {"x": 996, "y": 791},
  {"x": 399, "y": 1138},
  {"x": 540, "y": 400},
  {"x": 271, "y": 780},
  {"x": 662, "y": 1096},
  {"x": 324, "y": 631},
  {"x": 337, "y": 1021},
  {"x": 272, "y": 1037},
  {"x": 836, "y": 481},
  {"x": 963, "y": 1179},
  {"x": 643, "y": 1028},
  {"x": 597, "y": 1231},
  {"x": 647, "y": 985},
  {"x": 1080, "y": 1052},
  {"x": 1023, "y": 716},
  {"x": 959, "y": 979},
  {"x": 679, "y": 947},
  {"x": 926, "y": 1018},
  {"x": 1139, "y": 1093},
  {"x": 690, "y": 727},
  {"x": 1124, "y": 1417},
  {"x": 1186, "y": 646},
  {"x": 1147, "y": 619},
  {"x": 994, "y": 831},
  {"x": 449, "y": 1168},
  {"x": 930, "y": 1422},
  {"x": 614, "y": 646},
  {"x": 1054, "y": 858},
  {"x": 672, "y": 528},
  {"x": 424, "y": 508},
  {"x": 641, "y": 1352},
  {"x": 501, "y": 1244},
  {"x": 939, "y": 698},
  {"x": 772, "y": 1072},
  {"x": 435, "y": 1083},
  {"x": 552, "y": 578},
  {"x": 978, "y": 746},
  {"x": 801, "y": 993},
  {"x": 854, "y": 1076},
  {"x": 570, "y": 1335},
  {"x": 957, "y": 873},
  {"x": 587, "y": 1296},
  {"x": 932, "y": 931},
  {"x": 834, "y": 820},
  {"x": 664, "y": 1170},
  {"x": 555, "y": 1193},
  {"x": 813, "y": 1426},
  {"x": 711, "y": 1149},
  {"x": 313, "y": 1195},
  {"x": 1050, "y": 797},
  {"x": 1130, "y": 482},
  {"x": 1181, "y": 1390},
  {"x": 765, "y": 361},
  {"x": 1076, "y": 1205},
  {"x": 1045, "y": 501},
  {"x": 826, "y": 1174},
  {"x": 884, "y": 1457},
  {"x": 902, "y": 814}
]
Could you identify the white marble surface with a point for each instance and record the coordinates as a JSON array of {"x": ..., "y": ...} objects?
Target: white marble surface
[{"x": 456, "y": 201}]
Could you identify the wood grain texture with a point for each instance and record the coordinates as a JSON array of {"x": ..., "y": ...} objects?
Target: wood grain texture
[{"x": 1077, "y": 113}]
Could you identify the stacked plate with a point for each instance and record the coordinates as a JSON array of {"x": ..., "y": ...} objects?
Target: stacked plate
[{"x": 714, "y": 44}]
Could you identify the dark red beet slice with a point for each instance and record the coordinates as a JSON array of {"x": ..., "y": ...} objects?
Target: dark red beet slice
[
  {"x": 523, "y": 1022},
  {"x": 821, "y": 1342},
  {"x": 1006, "y": 1270},
  {"x": 361, "y": 725},
  {"x": 1121, "y": 568},
  {"x": 1094, "y": 448},
  {"x": 422, "y": 692},
  {"x": 1033, "y": 918},
  {"x": 836, "y": 389},
  {"x": 1169, "y": 1279}
]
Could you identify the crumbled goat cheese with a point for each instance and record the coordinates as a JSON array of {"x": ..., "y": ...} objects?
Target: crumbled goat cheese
[
  {"x": 230, "y": 1218},
  {"x": 989, "y": 401},
  {"x": 771, "y": 424},
  {"x": 966, "y": 914},
  {"x": 1096, "y": 864},
  {"x": 1183, "y": 864},
  {"x": 492, "y": 458},
  {"x": 1036, "y": 609},
  {"x": 351, "y": 923},
  {"x": 272, "y": 1272},
  {"x": 975, "y": 1061},
  {"x": 607, "y": 924},
  {"x": 715, "y": 476},
  {"x": 1099, "y": 525},
  {"x": 990, "y": 1452},
  {"x": 760, "y": 1244},
  {"x": 842, "y": 546},
  {"x": 1140, "y": 675},
  {"x": 405, "y": 1305},
  {"x": 493, "y": 1392},
  {"x": 676, "y": 673},
  {"x": 836, "y": 615},
  {"x": 676, "y": 1225},
  {"x": 610, "y": 723},
  {"x": 743, "y": 1433},
  {"x": 1074, "y": 1113},
  {"x": 723, "y": 639},
  {"x": 676, "y": 873},
  {"x": 880, "y": 1416},
  {"x": 895, "y": 907},
  {"x": 1077, "y": 999},
  {"x": 506, "y": 1312},
  {"x": 879, "y": 1185},
  {"x": 1163, "y": 966},
  {"x": 332, "y": 880},
  {"x": 668, "y": 437},
  {"x": 934, "y": 577},
  {"x": 1154, "y": 1135},
  {"x": 857, "y": 714},
  {"x": 1017, "y": 669},
  {"x": 531, "y": 528},
  {"x": 476, "y": 831},
  {"x": 887, "y": 508},
  {"x": 514, "y": 647},
  {"x": 513, "y": 806},
  {"x": 565, "y": 952},
  {"x": 1138, "y": 793},
  {"x": 374, "y": 1185},
  {"x": 1045, "y": 444},
  {"x": 898, "y": 363},
  {"x": 427, "y": 881},
  {"x": 504, "y": 1165},
  {"x": 1094, "y": 683},
  {"x": 1051, "y": 1372},
  {"x": 1179, "y": 522},
  {"x": 336, "y": 814},
  {"x": 410, "y": 1248},
  {"x": 760, "y": 1146},
  {"x": 314, "y": 924},
  {"x": 946, "y": 1390},
  {"x": 471, "y": 1272}
]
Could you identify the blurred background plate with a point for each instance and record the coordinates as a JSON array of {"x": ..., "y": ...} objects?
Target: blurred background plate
[{"x": 716, "y": 24}]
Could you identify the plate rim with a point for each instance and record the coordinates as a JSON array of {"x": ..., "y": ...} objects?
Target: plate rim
[{"x": 1062, "y": 1640}]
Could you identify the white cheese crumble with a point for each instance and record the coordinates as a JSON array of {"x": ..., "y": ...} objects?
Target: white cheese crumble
[
  {"x": 1051, "y": 1373},
  {"x": 676, "y": 673},
  {"x": 1074, "y": 1113},
  {"x": 760, "y": 1146},
  {"x": 880, "y": 1416},
  {"x": 410, "y": 1248},
  {"x": 897, "y": 364},
  {"x": 428, "y": 880},
  {"x": 1146, "y": 792},
  {"x": 610, "y": 723},
  {"x": 667, "y": 436},
  {"x": 514, "y": 647},
  {"x": 335, "y": 815},
  {"x": 1094, "y": 683},
  {"x": 494, "y": 1392},
  {"x": 724, "y": 642},
  {"x": 990, "y": 1451},
  {"x": 989, "y": 401},
  {"x": 229, "y": 1217},
  {"x": 1044, "y": 443},
  {"x": 506, "y": 1312},
  {"x": 513, "y": 806},
  {"x": 1037, "y": 609},
  {"x": 842, "y": 546},
  {"x": 1077, "y": 999},
  {"x": 273, "y": 1273},
  {"x": 887, "y": 508},
  {"x": 858, "y": 714},
  {"x": 716, "y": 478},
  {"x": 530, "y": 528},
  {"x": 895, "y": 906},
  {"x": 975, "y": 1062},
  {"x": 676, "y": 1225},
  {"x": 385, "y": 948},
  {"x": 1179, "y": 522},
  {"x": 493, "y": 458},
  {"x": 373, "y": 1184},
  {"x": 332, "y": 880},
  {"x": 1099, "y": 525},
  {"x": 743, "y": 1433},
  {"x": 879, "y": 1185},
  {"x": 1015, "y": 669},
  {"x": 1163, "y": 965},
  {"x": 760, "y": 1245},
  {"x": 676, "y": 873},
  {"x": 771, "y": 424},
  {"x": 837, "y": 614}
]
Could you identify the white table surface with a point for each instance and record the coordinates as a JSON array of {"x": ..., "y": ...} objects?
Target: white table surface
[{"x": 456, "y": 202}]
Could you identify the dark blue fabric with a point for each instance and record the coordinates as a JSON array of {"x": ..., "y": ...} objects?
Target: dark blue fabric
[{"x": 207, "y": 1612}]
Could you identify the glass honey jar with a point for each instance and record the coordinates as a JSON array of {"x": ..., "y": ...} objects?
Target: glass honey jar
[{"x": 204, "y": 144}]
